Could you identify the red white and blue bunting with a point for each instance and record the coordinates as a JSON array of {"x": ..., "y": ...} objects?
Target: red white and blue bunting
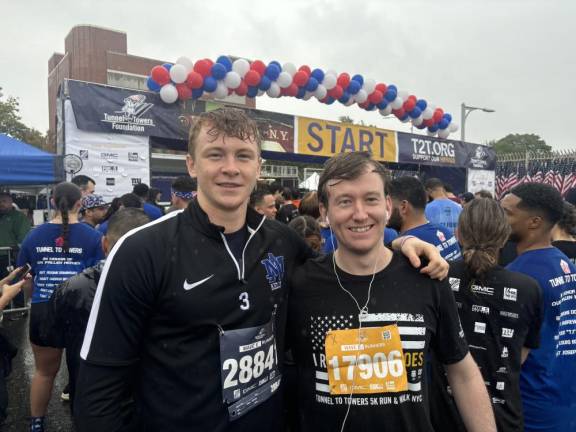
[{"x": 187, "y": 80}]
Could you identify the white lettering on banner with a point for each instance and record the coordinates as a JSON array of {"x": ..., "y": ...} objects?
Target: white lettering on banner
[{"x": 429, "y": 147}]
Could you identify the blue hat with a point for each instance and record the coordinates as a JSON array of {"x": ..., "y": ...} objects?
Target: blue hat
[{"x": 93, "y": 201}]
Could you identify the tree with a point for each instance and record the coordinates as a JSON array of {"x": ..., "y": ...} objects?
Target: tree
[
  {"x": 521, "y": 143},
  {"x": 11, "y": 123},
  {"x": 346, "y": 119}
]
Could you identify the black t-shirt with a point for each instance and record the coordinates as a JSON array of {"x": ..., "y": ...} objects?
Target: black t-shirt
[
  {"x": 425, "y": 313},
  {"x": 286, "y": 213},
  {"x": 499, "y": 315},
  {"x": 567, "y": 247}
]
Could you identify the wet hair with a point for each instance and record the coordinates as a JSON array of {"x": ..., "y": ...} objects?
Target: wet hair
[
  {"x": 568, "y": 221},
  {"x": 184, "y": 184},
  {"x": 230, "y": 122},
  {"x": 257, "y": 196},
  {"x": 141, "y": 189},
  {"x": 348, "y": 166},
  {"x": 308, "y": 228},
  {"x": 434, "y": 183},
  {"x": 82, "y": 181},
  {"x": 541, "y": 199},
  {"x": 482, "y": 230},
  {"x": 484, "y": 194},
  {"x": 409, "y": 189},
  {"x": 124, "y": 220},
  {"x": 65, "y": 196},
  {"x": 131, "y": 200},
  {"x": 309, "y": 205}
]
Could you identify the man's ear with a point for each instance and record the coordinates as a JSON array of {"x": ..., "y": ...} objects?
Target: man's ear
[
  {"x": 535, "y": 222},
  {"x": 191, "y": 165}
]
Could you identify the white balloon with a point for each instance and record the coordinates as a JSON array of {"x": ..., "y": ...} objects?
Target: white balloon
[
  {"x": 403, "y": 94},
  {"x": 427, "y": 113},
  {"x": 241, "y": 66},
  {"x": 186, "y": 62},
  {"x": 178, "y": 73},
  {"x": 308, "y": 95},
  {"x": 320, "y": 92},
  {"x": 430, "y": 133},
  {"x": 397, "y": 103},
  {"x": 232, "y": 80},
  {"x": 290, "y": 68},
  {"x": 386, "y": 111},
  {"x": 329, "y": 81},
  {"x": 331, "y": 72},
  {"x": 284, "y": 79},
  {"x": 351, "y": 101},
  {"x": 417, "y": 121},
  {"x": 453, "y": 127},
  {"x": 168, "y": 93},
  {"x": 361, "y": 96},
  {"x": 274, "y": 90},
  {"x": 443, "y": 133},
  {"x": 369, "y": 85},
  {"x": 221, "y": 90},
  {"x": 261, "y": 92}
]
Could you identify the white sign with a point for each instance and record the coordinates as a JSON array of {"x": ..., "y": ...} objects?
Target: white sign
[{"x": 481, "y": 180}]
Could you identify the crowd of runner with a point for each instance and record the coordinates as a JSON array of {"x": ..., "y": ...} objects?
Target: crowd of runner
[{"x": 370, "y": 304}]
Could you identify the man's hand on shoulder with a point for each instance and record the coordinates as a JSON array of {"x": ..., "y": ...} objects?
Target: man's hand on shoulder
[{"x": 414, "y": 248}]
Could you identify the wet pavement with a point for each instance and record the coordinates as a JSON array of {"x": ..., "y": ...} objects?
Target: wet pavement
[{"x": 58, "y": 416}]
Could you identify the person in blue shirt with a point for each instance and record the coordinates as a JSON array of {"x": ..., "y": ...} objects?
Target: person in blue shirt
[
  {"x": 142, "y": 190},
  {"x": 408, "y": 203},
  {"x": 441, "y": 210},
  {"x": 56, "y": 251},
  {"x": 548, "y": 379}
]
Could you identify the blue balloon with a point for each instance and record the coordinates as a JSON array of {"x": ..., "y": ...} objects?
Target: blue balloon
[
  {"x": 225, "y": 61},
  {"x": 370, "y": 107},
  {"x": 252, "y": 92},
  {"x": 274, "y": 62},
  {"x": 443, "y": 123},
  {"x": 359, "y": 79},
  {"x": 422, "y": 104},
  {"x": 218, "y": 71},
  {"x": 391, "y": 94},
  {"x": 354, "y": 87},
  {"x": 433, "y": 128},
  {"x": 301, "y": 93},
  {"x": 383, "y": 104},
  {"x": 421, "y": 126},
  {"x": 447, "y": 117},
  {"x": 153, "y": 85},
  {"x": 393, "y": 87},
  {"x": 329, "y": 100},
  {"x": 415, "y": 113},
  {"x": 318, "y": 74},
  {"x": 404, "y": 117},
  {"x": 264, "y": 83},
  {"x": 344, "y": 98},
  {"x": 167, "y": 66},
  {"x": 272, "y": 71},
  {"x": 197, "y": 93},
  {"x": 312, "y": 84},
  {"x": 210, "y": 84}
]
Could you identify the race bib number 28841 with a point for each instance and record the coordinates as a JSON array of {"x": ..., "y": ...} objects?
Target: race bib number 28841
[{"x": 366, "y": 360}]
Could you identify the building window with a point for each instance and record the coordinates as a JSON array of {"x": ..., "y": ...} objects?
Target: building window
[{"x": 127, "y": 80}]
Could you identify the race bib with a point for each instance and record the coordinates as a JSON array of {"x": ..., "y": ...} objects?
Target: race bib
[
  {"x": 249, "y": 368},
  {"x": 366, "y": 360}
]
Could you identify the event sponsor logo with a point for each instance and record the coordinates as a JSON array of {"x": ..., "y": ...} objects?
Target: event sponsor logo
[
  {"x": 507, "y": 314},
  {"x": 479, "y": 327},
  {"x": 429, "y": 150},
  {"x": 454, "y": 284},
  {"x": 504, "y": 352},
  {"x": 133, "y": 157},
  {"x": 108, "y": 169},
  {"x": 507, "y": 332},
  {"x": 498, "y": 401},
  {"x": 510, "y": 294},
  {"x": 110, "y": 181},
  {"x": 500, "y": 385},
  {"x": 130, "y": 117},
  {"x": 83, "y": 154},
  {"x": 502, "y": 370},
  {"x": 441, "y": 236},
  {"x": 565, "y": 267},
  {"x": 481, "y": 309},
  {"x": 479, "y": 289},
  {"x": 479, "y": 160},
  {"x": 136, "y": 181},
  {"x": 108, "y": 156}
]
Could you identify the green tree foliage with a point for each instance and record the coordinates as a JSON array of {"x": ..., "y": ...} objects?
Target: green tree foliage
[
  {"x": 521, "y": 143},
  {"x": 346, "y": 119},
  {"x": 11, "y": 123}
]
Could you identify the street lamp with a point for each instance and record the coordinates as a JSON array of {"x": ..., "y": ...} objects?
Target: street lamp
[{"x": 465, "y": 111}]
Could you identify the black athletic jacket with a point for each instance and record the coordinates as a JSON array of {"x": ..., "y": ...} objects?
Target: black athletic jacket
[{"x": 166, "y": 292}]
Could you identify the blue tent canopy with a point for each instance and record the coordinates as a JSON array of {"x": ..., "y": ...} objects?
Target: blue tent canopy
[{"x": 24, "y": 164}]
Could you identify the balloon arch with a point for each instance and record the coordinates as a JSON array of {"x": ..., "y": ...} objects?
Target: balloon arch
[{"x": 187, "y": 80}]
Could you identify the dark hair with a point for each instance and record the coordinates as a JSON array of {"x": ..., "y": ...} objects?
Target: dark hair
[
  {"x": 466, "y": 197},
  {"x": 348, "y": 166},
  {"x": 409, "y": 189},
  {"x": 288, "y": 193},
  {"x": 542, "y": 199},
  {"x": 275, "y": 187},
  {"x": 568, "y": 221},
  {"x": 482, "y": 230},
  {"x": 123, "y": 221},
  {"x": 309, "y": 205},
  {"x": 258, "y": 194},
  {"x": 434, "y": 183},
  {"x": 484, "y": 194},
  {"x": 184, "y": 184},
  {"x": 306, "y": 227},
  {"x": 571, "y": 196},
  {"x": 66, "y": 195},
  {"x": 230, "y": 122},
  {"x": 113, "y": 208},
  {"x": 152, "y": 192},
  {"x": 141, "y": 189},
  {"x": 131, "y": 200},
  {"x": 448, "y": 187},
  {"x": 82, "y": 181}
]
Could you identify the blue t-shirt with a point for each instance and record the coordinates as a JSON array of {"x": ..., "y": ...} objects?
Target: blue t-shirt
[
  {"x": 152, "y": 211},
  {"x": 548, "y": 379},
  {"x": 330, "y": 244},
  {"x": 42, "y": 249},
  {"x": 443, "y": 212},
  {"x": 440, "y": 237},
  {"x": 103, "y": 228}
]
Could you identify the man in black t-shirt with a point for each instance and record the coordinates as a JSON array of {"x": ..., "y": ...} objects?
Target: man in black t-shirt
[{"x": 362, "y": 321}]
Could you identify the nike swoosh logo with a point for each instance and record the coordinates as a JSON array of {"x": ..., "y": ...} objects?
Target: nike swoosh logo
[{"x": 189, "y": 286}]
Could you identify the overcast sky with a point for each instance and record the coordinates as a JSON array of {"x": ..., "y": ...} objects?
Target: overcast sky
[{"x": 516, "y": 57}]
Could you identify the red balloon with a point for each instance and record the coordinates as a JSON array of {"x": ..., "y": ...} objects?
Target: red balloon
[
  {"x": 242, "y": 89},
  {"x": 414, "y": 98},
  {"x": 258, "y": 66},
  {"x": 203, "y": 67},
  {"x": 375, "y": 97},
  {"x": 160, "y": 74},
  {"x": 291, "y": 90},
  {"x": 194, "y": 80},
  {"x": 300, "y": 78},
  {"x": 210, "y": 62},
  {"x": 438, "y": 113},
  {"x": 306, "y": 69},
  {"x": 343, "y": 80},
  {"x": 381, "y": 87},
  {"x": 336, "y": 92},
  {"x": 252, "y": 78},
  {"x": 428, "y": 123},
  {"x": 364, "y": 104},
  {"x": 399, "y": 112},
  {"x": 184, "y": 92},
  {"x": 409, "y": 105}
]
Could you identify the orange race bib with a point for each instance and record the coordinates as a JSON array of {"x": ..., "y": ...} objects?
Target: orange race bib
[{"x": 366, "y": 360}]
